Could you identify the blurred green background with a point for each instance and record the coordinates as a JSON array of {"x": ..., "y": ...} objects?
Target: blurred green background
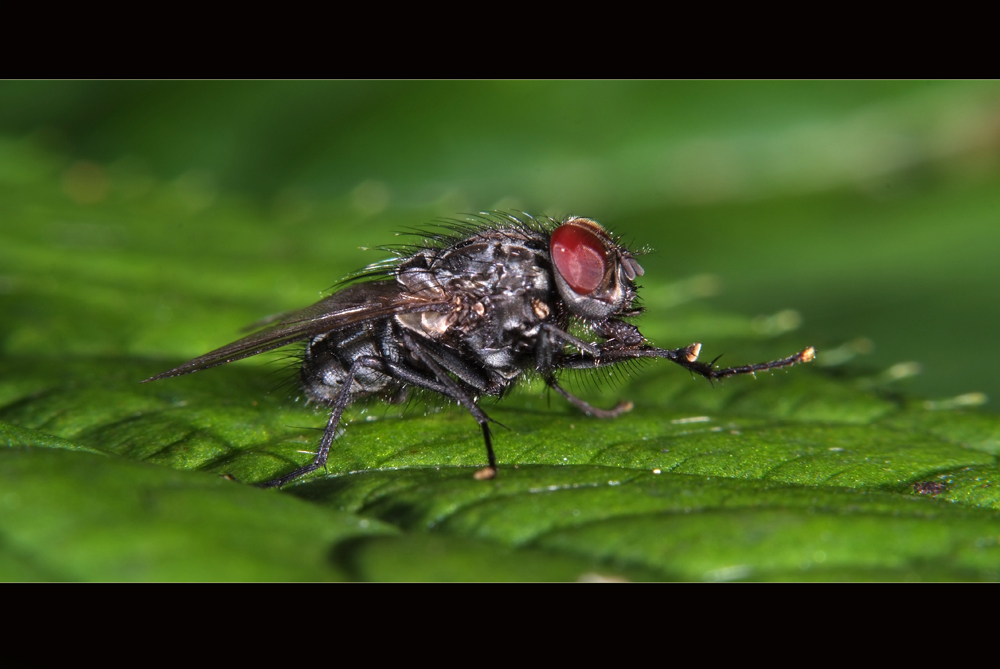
[
  {"x": 145, "y": 223},
  {"x": 870, "y": 209}
]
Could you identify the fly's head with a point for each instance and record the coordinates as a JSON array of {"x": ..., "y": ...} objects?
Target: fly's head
[{"x": 594, "y": 273}]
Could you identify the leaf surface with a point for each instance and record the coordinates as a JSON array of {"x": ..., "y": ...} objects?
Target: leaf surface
[{"x": 830, "y": 471}]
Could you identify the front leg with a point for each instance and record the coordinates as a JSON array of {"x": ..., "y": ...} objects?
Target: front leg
[
  {"x": 622, "y": 333},
  {"x": 687, "y": 357},
  {"x": 586, "y": 407},
  {"x": 550, "y": 345}
]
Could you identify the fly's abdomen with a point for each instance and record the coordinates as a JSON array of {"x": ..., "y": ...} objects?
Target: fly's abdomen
[{"x": 329, "y": 358}]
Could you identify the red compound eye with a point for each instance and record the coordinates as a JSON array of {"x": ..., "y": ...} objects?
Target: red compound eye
[{"x": 579, "y": 257}]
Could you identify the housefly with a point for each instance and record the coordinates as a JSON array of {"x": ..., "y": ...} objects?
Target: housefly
[{"x": 468, "y": 313}]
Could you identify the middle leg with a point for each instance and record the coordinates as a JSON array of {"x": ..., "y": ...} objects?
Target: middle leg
[{"x": 456, "y": 392}]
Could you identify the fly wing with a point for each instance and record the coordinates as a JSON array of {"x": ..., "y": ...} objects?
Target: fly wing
[{"x": 355, "y": 304}]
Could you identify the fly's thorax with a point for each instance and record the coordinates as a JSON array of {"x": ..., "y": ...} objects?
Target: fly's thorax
[
  {"x": 491, "y": 263},
  {"x": 495, "y": 287},
  {"x": 417, "y": 275}
]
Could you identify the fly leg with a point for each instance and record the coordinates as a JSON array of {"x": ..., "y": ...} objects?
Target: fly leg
[
  {"x": 543, "y": 360},
  {"x": 625, "y": 341},
  {"x": 551, "y": 341},
  {"x": 394, "y": 370},
  {"x": 686, "y": 357},
  {"x": 456, "y": 392},
  {"x": 556, "y": 334},
  {"x": 584, "y": 406},
  {"x": 336, "y": 411}
]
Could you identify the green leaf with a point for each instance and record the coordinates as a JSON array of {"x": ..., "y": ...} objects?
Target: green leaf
[
  {"x": 79, "y": 516},
  {"x": 828, "y": 471}
]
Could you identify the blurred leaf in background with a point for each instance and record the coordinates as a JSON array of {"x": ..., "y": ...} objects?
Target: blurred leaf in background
[{"x": 144, "y": 223}]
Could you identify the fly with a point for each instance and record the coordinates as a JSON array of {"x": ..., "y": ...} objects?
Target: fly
[{"x": 467, "y": 314}]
